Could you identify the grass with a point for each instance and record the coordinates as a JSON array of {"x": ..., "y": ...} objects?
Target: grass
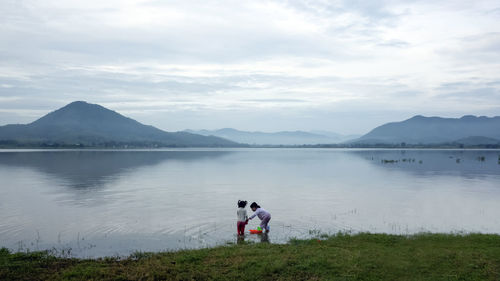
[{"x": 340, "y": 257}]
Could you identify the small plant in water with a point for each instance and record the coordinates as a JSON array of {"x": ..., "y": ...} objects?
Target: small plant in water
[{"x": 314, "y": 232}]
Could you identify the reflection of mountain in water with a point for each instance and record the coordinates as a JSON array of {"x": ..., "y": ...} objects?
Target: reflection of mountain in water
[
  {"x": 91, "y": 169},
  {"x": 468, "y": 163}
]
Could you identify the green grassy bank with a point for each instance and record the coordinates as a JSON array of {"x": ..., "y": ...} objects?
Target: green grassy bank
[{"x": 340, "y": 257}]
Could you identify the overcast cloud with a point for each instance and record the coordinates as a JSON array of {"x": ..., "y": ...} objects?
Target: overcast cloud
[{"x": 344, "y": 66}]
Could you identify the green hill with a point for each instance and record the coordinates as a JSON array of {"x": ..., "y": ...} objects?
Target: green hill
[{"x": 91, "y": 125}]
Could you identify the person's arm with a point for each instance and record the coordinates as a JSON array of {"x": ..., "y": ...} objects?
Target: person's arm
[{"x": 254, "y": 214}]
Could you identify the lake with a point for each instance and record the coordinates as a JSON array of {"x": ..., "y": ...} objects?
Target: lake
[{"x": 93, "y": 203}]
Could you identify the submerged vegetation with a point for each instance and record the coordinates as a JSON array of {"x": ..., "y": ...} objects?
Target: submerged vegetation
[
  {"x": 408, "y": 160},
  {"x": 458, "y": 160},
  {"x": 339, "y": 257}
]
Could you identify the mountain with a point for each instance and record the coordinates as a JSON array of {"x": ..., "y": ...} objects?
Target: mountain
[
  {"x": 336, "y": 136},
  {"x": 436, "y": 130},
  {"x": 277, "y": 138},
  {"x": 83, "y": 124}
]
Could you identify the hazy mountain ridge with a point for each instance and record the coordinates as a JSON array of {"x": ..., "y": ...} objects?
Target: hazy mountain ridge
[
  {"x": 91, "y": 125},
  {"x": 470, "y": 130},
  {"x": 275, "y": 138},
  {"x": 81, "y": 123}
]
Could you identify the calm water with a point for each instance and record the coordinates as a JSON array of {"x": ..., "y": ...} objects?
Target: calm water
[{"x": 97, "y": 203}]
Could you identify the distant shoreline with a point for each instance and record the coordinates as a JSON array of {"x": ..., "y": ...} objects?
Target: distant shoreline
[{"x": 48, "y": 146}]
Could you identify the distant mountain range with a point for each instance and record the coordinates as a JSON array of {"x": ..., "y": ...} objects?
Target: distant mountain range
[
  {"x": 82, "y": 124},
  {"x": 468, "y": 130},
  {"x": 277, "y": 138}
]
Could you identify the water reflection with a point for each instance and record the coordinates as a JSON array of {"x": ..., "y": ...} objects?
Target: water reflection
[
  {"x": 466, "y": 163},
  {"x": 261, "y": 237},
  {"x": 89, "y": 170},
  {"x": 114, "y": 202},
  {"x": 264, "y": 237}
]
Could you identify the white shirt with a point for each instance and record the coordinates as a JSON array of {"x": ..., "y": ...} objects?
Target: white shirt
[
  {"x": 242, "y": 214},
  {"x": 261, "y": 213}
]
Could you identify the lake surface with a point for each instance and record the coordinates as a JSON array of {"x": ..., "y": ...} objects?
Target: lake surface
[{"x": 105, "y": 203}]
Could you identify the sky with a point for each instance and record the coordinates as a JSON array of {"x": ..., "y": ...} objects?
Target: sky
[{"x": 343, "y": 66}]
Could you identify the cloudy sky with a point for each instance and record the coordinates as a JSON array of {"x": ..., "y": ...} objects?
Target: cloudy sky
[{"x": 343, "y": 66}]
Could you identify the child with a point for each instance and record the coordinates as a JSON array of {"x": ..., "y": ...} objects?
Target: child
[
  {"x": 263, "y": 215},
  {"x": 242, "y": 217}
]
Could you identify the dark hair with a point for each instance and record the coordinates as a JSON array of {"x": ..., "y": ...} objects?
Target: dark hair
[
  {"x": 242, "y": 203},
  {"x": 254, "y": 205}
]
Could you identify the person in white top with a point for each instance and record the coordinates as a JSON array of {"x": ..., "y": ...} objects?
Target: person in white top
[
  {"x": 242, "y": 217},
  {"x": 263, "y": 215}
]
